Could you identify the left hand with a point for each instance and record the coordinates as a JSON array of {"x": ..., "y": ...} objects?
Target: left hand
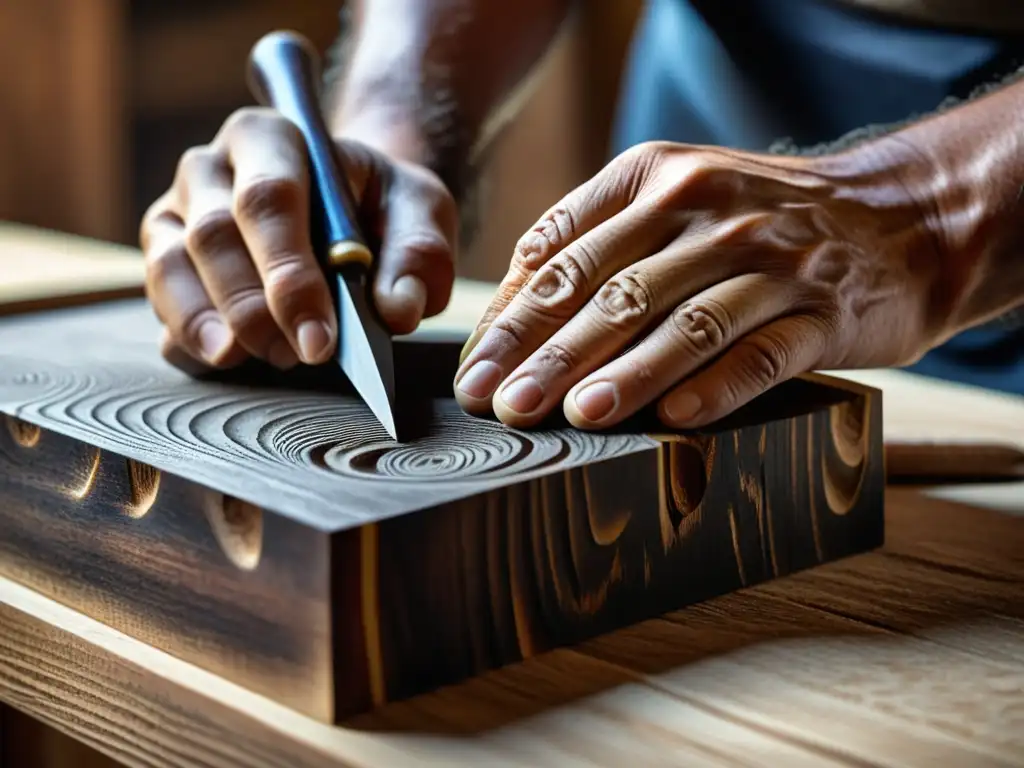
[{"x": 700, "y": 277}]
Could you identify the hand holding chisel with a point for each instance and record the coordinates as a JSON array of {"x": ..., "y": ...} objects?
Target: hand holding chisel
[
  {"x": 232, "y": 272},
  {"x": 283, "y": 73}
]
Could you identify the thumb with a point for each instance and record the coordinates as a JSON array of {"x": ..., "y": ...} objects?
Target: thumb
[
  {"x": 408, "y": 211},
  {"x": 419, "y": 233}
]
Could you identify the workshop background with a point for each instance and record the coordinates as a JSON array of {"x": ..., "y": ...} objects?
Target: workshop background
[{"x": 101, "y": 97}]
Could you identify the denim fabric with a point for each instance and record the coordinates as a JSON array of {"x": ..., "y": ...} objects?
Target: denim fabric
[{"x": 744, "y": 73}]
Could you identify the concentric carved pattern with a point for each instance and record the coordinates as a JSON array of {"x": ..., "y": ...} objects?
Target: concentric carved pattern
[
  {"x": 26, "y": 435},
  {"x": 520, "y": 541},
  {"x": 460, "y": 449},
  {"x": 319, "y": 456}
]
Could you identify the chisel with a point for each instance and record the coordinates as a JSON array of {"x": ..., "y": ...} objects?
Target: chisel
[{"x": 284, "y": 73}]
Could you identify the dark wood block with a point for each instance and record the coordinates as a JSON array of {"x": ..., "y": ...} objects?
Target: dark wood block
[{"x": 263, "y": 526}]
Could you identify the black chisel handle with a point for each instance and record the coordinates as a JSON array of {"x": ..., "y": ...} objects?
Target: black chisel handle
[{"x": 284, "y": 73}]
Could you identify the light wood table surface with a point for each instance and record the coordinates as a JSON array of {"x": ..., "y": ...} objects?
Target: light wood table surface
[{"x": 909, "y": 656}]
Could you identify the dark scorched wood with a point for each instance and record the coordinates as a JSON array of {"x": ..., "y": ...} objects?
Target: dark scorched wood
[
  {"x": 265, "y": 527},
  {"x": 96, "y": 375}
]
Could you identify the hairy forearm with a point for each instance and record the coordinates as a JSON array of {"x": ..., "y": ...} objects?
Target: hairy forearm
[
  {"x": 421, "y": 78},
  {"x": 965, "y": 164},
  {"x": 974, "y": 185}
]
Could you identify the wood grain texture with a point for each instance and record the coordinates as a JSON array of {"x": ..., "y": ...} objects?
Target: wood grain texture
[
  {"x": 264, "y": 527},
  {"x": 908, "y": 657},
  {"x": 317, "y": 456},
  {"x": 921, "y": 409}
]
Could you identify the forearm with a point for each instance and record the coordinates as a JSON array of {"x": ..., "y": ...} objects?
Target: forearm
[
  {"x": 964, "y": 166},
  {"x": 974, "y": 187},
  {"x": 422, "y": 77}
]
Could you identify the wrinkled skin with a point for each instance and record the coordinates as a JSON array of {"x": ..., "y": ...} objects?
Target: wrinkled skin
[
  {"x": 688, "y": 278},
  {"x": 230, "y": 270},
  {"x": 696, "y": 278}
]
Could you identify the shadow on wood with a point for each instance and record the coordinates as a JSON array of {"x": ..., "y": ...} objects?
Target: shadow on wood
[{"x": 270, "y": 532}]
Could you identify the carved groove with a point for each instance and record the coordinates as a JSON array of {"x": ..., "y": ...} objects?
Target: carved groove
[
  {"x": 80, "y": 492},
  {"x": 843, "y": 461},
  {"x": 356, "y": 570},
  {"x": 238, "y": 528},
  {"x": 208, "y": 431},
  {"x": 144, "y": 482},
  {"x": 26, "y": 435},
  {"x": 684, "y": 468}
]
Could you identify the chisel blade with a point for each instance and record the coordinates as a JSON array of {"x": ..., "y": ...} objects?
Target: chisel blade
[{"x": 364, "y": 348}]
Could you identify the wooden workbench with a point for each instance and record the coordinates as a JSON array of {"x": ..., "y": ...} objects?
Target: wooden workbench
[{"x": 909, "y": 656}]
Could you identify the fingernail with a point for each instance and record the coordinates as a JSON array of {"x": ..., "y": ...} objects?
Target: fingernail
[
  {"x": 314, "y": 339},
  {"x": 682, "y": 407},
  {"x": 472, "y": 341},
  {"x": 410, "y": 290},
  {"x": 481, "y": 380},
  {"x": 523, "y": 395},
  {"x": 597, "y": 401},
  {"x": 214, "y": 338},
  {"x": 281, "y": 355}
]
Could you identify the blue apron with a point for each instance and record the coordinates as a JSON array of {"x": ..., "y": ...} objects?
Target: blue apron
[{"x": 746, "y": 73}]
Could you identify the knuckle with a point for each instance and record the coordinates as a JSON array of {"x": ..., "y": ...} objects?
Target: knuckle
[
  {"x": 703, "y": 326},
  {"x": 422, "y": 250},
  {"x": 793, "y": 229},
  {"x": 268, "y": 197},
  {"x": 643, "y": 153},
  {"x": 558, "y": 225},
  {"x": 194, "y": 158},
  {"x": 549, "y": 235},
  {"x": 287, "y": 278},
  {"x": 511, "y": 332},
  {"x": 211, "y": 232},
  {"x": 642, "y": 376},
  {"x": 428, "y": 186},
  {"x": 624, "y": 299},
  {"x": 638, "y": 164},
  {"x": 821, "y": 301},
  {"x": 159, "y": 212},
  {"x": 245, "y": 310},
  {"x": 186, "y": 326},
  {"x": 249, "y": 119},
  {"x": 556, "y": 359},
  {"x": 529, "y": 255},
  {"x": 560, "y": 285},
  {"x": 744, "y": 230},
  {"x": 762, "y": 360},
  {"x": 163, "y": 263},
  {"x": 696, "y": 179}
]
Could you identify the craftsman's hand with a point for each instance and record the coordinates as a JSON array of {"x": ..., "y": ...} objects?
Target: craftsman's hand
[
  {"x": 698, "y": 278},
  {"x": 230, "y": 270}
]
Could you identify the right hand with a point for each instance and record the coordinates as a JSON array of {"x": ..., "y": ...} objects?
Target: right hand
[{"x": 230, "y": 270}]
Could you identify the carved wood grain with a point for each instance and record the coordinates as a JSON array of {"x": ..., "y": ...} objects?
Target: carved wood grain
[
  {"x": 95, "y": 375},
  {"x": 268, "y": 530}
]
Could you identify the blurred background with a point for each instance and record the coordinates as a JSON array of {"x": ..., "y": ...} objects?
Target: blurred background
[{"x": 101, "y": 97}]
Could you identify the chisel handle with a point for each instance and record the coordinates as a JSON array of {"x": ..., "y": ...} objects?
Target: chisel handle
[{"x": 284, "y": 73}]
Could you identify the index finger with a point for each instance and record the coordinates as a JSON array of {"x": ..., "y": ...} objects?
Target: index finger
[
  {"x": 582, "y": 210},
  {"x": 271, "y": 201}
]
